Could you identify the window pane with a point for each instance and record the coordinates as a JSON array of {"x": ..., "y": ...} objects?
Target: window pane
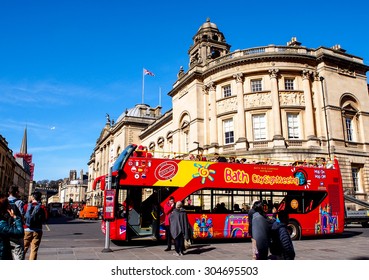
[
  {"x": 259, "y": 126},
  {"x": 228, "y": 132},
  {"x": 355, "y": 178},
  {"x": 293, "y": 126},
  {"x": 256, "y": 85},
  {"x": 227, "y": 91},
  {"x": 349, "y": 130},
  {"x": 289, "y": 84}
]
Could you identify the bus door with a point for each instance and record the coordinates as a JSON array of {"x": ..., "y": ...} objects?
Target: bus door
[{"x": 141, "y": 215}]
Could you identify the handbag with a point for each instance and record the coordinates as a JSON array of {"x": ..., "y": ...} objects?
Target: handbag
[{"x": 187, "y": 243}]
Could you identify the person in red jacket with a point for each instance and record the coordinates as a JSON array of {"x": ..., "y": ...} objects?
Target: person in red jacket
[
  {"x": 168, "y": 208},
  {"x": 33, "y": 231}
]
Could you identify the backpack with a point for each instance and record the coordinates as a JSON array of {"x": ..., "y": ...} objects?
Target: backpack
[
  {"x": 35, "y": 216},
  {"x": 14, "y": 206}
]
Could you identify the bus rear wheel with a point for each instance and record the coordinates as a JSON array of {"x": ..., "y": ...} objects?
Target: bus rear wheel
[{"x": 295, "y": 230}]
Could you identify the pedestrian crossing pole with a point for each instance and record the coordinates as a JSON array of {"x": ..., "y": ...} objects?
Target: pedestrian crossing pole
[{"x": 107, "y": 222}]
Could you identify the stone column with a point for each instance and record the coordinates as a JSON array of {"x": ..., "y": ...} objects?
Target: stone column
[
  {"x": 319, "y": 115},
  {"x": 309, "y": 115},
  {"x": 278, "y": 140},
  {"x": 206, "y": 117},
  {"x": 241, "y": 142},
  {"x": 213, "y": 115}
]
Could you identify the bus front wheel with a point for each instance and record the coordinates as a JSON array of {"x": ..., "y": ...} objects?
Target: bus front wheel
[{"x": 295, "y": 230}]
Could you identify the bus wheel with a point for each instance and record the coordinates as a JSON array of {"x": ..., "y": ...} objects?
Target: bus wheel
[{"x": 294, "y": 229}]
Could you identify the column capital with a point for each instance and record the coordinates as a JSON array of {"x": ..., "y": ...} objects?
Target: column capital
[
  {"x": 273, "y": 73},
  {"x": 209, "y": 86},
  {"x": 307, "y": 74},
  {"x": 238, "y": 77}
]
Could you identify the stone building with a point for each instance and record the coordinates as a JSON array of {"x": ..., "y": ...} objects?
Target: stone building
[
  {"x": 272, "y": 103},
  {"x": 73, "y": 189},
  {"x": 7, "y": 165},
  {"x": 15, "y": 169}
]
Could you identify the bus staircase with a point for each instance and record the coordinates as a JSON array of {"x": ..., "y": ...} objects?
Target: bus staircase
[
  {"x": 359, "y": 216},
  {"x": 134, "y": 225}
]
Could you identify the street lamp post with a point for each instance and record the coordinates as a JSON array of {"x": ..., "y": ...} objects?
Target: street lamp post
[
  {"x": 326, "y": 118},
  {"x": 198, "y": 145}
]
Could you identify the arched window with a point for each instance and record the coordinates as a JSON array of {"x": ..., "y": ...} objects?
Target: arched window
[
  {"x": 184, "y": 133},
  {"x": 170, "y": 142},
  {"x": 185, "y": 129},
  {"x": 152, "y": 147},
  {"x": 160, "y": 143}
]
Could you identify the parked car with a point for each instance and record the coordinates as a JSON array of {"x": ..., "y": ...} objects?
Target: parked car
[{"x": 89, "y": 212}]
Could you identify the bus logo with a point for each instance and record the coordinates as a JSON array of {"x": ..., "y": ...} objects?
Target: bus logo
[
  {"x": 301, "y": 176},
  {"x": 166, "y": 170}
]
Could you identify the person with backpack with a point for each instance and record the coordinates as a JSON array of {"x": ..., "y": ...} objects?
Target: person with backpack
[
  {"x": 16, "y": 243},
  {"x": 35, "y": 216},
  {"x": 281, "y": 246}
]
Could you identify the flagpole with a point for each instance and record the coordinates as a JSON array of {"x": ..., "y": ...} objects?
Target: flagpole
[
  {"x": 160, "y": 96},
  {"x": 143, "y": 85}
]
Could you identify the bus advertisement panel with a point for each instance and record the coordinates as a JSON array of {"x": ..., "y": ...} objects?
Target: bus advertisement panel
[{"x": 218, "y": 195}]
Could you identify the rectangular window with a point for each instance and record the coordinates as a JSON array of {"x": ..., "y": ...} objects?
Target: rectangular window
[
  {"x": 259, "y": 126},
  {"x": 228, "y": 132},
  {"x": 256, "y": 85},
  {"x": 293, "y": 126},
  {"x": 289, "y": 84},
  {"x": 349, "y": 129},
  {"x": 227, "y": 91},
  {"x": 356, "y": 178}
]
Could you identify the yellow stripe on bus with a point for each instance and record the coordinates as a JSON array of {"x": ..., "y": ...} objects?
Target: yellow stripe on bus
[{"x": 187, "y": 170}]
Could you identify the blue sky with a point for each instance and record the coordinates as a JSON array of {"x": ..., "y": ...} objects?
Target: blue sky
[{"x": 65, "y": 64}]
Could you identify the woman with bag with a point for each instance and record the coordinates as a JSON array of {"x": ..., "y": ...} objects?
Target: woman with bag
[
  {"x": 179, "y": 228},
  {"x": 8, "y": 230}
]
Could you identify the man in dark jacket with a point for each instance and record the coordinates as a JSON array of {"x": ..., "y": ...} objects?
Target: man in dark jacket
[
  {"x": 281, "y": 245},
  {"x": 250, "y": 216}
]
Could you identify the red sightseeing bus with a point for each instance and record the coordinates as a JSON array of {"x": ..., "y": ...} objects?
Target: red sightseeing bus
[{"x": 217, "y": 195}]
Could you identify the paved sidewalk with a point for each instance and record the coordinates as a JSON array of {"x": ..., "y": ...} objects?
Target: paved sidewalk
[{"x": 348, "y": 246}]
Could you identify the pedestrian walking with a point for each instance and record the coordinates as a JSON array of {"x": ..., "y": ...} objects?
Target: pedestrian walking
[
  {"x": 179, "y": 228},
  {"x": 250, "y": 216},
  {"x": 16, "y": 243},
  {"x": 281, "y": 246},
  {"x": 261, "y": 232},
  {"x": 168, "y": 209},
  {"x": 35, "y": 217}
]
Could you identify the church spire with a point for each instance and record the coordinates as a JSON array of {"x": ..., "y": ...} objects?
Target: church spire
[{"x": 23, "y": 148}]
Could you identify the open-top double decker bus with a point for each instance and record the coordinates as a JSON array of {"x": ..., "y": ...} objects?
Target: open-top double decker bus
[{"x": 217, "y": 195}]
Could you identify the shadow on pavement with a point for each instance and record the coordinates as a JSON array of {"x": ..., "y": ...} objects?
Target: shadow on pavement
[
  {"x": 198, "y": 249},
  {"x": 345, "y": 234}
]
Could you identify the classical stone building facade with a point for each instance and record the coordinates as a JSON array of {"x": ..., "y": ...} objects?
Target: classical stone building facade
[
  {"x": 272, "y": 103},
  {"x": 114, "y": 137}
]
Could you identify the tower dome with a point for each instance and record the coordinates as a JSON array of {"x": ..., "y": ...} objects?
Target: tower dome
[{"x": 208, "y": 24}]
